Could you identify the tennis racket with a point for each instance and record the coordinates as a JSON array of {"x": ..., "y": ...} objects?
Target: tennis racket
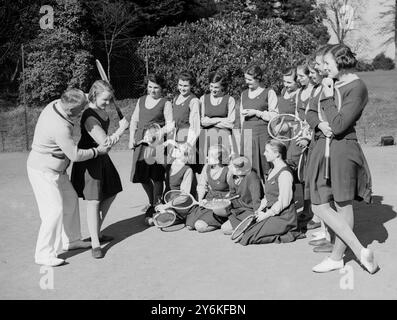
[
  {"x": 220, "y": 206},
  {"x": 166, "y": 218},
  {"x": 243, "y": 226},
  {"x": 302, "y": 165},
  {"x": 327, "y": 167},
  {"x": 105, "y": 78},
  {"x": 177, "y": 207},
  {"x": 152, "y": 136},
  {"x": 285, "y": 127}
]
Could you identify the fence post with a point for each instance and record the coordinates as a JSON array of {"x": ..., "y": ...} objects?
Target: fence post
[
  {"x": 146, "y": 58},
  {"x": 2, "y": 139},
  {"x": 24, "y": 99}
]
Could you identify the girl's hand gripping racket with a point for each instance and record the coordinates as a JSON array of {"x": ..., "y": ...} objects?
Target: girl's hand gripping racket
[
  {"x": 285, "y": 127},
  {"x": 328, "y": 90},
  {"x": 243, "y": 226},
  {"x": 152, "y": 135}
]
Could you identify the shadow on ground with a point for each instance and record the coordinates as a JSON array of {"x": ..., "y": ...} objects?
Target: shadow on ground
[
  {"x": 370, "y": 222},
  {"x": 120, "y": 230}
]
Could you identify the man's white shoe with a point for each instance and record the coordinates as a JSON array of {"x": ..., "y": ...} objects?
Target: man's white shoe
[
  {"x": 50, "y": 262},
  {"x": 328, "y": 265}
]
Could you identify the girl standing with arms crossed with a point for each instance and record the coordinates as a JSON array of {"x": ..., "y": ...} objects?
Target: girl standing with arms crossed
[
  {"x": 97, "y": 180},
  {"x": 186, "y": 115},
  {"x": 217, "y": 115},
  {"x": 151, "y": 108},
  {"x": 257, "y": 107},
  {"x": 341, "y": 105}
]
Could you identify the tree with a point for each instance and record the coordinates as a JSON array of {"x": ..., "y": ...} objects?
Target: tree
[
  {"x": 305, "y": 13},
  {"x": 115, "y": 20},
  {"x": 229, "y": 43},
  {"x": 58, "y": 58},
  {"x": 340, "y": 15},
  {"x": 17, "y": 18},
  {"x": 390, "y": 28},
  {"x": 297, "y": 12}
]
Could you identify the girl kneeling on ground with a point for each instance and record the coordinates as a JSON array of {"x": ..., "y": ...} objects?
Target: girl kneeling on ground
[{"x": 212, "y": 185}]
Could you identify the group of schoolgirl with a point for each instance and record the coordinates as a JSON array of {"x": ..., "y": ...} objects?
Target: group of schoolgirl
[{"x": 322, "y": 91}]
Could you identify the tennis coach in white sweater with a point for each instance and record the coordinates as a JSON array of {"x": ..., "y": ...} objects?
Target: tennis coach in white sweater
[{"x": 52, "y": 150}]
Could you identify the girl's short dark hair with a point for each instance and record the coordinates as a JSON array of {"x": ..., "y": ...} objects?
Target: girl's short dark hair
[
  {"x": 304, "y": 66},
  {"x": 290, "y": 71},
  {"x": 218, "y": 76},
  {"x": 255, "y": 71},
  {"x": 311, "y": 61},
  {"x": 157, "y": 79},
  {"x": 322, "y": 50},
  {"x": 223, "y": 154},
  {"x": 280, "y": 147},
  {"x": 344, "y": 57},
  {"x": 187, "y": 76}
]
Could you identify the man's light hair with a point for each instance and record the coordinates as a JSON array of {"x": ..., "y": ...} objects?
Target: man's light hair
[{"x": 73, "y": 98}]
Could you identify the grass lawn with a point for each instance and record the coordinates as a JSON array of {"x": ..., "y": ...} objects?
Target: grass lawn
[{"x": 379, "y": 117}]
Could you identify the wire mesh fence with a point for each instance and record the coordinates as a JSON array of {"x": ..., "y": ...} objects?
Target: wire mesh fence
[{"x": 18, "y": 118}]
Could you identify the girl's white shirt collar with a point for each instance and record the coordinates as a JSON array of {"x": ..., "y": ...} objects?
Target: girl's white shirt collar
[{"x": 346, "y": 79}]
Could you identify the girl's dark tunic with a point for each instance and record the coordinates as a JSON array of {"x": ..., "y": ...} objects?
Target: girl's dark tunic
[
  {"x": 255, "y": 129},
  {"x": 94, "y": 179},
  {"x": 218, "y": 188},
  {"x": 350, "y": 175},
  {"x": 181, "y": 116},
  {"x": 212, "y": 135},
  {"x": 280, "y": 228},
  {"x": 141, "y": 171},
  {"x": 251, "y": 193}
]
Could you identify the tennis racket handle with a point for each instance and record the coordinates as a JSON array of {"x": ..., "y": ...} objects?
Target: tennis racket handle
[
  {"x": 119, "y": 113},
  {"x": 327, "y": 168},
  {"x": 139, "y": 143},
  {"x": 327, "y": 159},
  {"x": 234, "y": 197}
]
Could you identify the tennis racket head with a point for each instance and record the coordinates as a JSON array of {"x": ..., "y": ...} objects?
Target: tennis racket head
[
  {"x": 164, "y": 218},
  {"x": 171, "y": 195},
  {"x": 243, "y": 225},
  {"x": 285, "y": 127},
  {"x": 152, "y": 134},
  {"x": 174, "y": 227}
]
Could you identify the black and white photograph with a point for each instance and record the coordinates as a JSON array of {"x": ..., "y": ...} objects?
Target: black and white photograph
[{"x": 196, "y": 155}]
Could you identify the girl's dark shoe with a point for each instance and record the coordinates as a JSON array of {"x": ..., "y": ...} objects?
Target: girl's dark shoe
[{"x": 97, "y": 253}]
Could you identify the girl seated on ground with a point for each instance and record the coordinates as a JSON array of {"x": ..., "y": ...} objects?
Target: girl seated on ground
[
  {"x": 245, "y": 183},
  {"x": 277, "y": 218},
  {"x": 212, "y": 185},
  {"x": 179, "y": 176}
]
